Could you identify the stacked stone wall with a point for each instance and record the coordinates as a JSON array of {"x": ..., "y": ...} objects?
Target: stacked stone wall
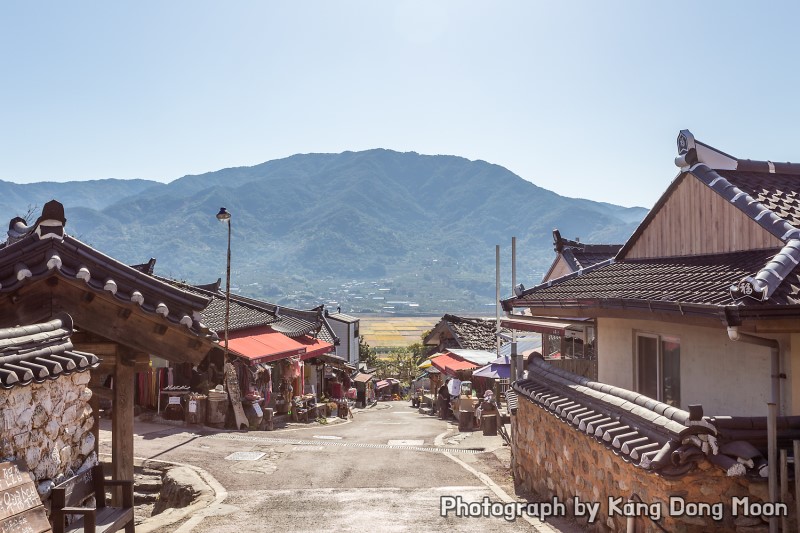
[
  {"x": 48, "y": 428},
  {"x": 555, "y": 460}
]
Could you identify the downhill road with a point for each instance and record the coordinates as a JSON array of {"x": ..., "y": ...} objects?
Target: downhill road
[{"x": 385, "y": 470}]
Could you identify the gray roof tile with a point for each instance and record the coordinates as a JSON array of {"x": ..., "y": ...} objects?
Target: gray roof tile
[{"x": 35, "y": 353}]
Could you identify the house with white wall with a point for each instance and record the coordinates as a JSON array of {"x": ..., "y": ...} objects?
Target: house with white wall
[
  {"x": 346, "y": 328},
  {"x": 701, "y": 304}
]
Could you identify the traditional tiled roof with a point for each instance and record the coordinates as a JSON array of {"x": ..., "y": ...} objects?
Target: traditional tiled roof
[
  {"x": 780, "y": 193},
  {"x": 35, "y": 353},
  {"x": 468, "y": 333},
  {"x": 651, "y": 434},
  {"x": 703, "y": 280},
  {"x": 43, "y": 250},
  {"x": 242, "y": 315},
  {"x": 580, "y": 255},
  {"x": 246, "y": 313},
  {"x": 766, "y": 192},
  {"x": 341, "y": 317}
]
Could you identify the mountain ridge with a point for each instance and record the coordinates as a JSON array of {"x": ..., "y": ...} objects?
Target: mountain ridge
[{"x": 307, "y": 227}]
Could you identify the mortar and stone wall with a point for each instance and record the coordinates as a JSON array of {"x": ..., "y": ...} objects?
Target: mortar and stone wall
[
  {"x": 553, "y": 459},
  {"x": 47, "y": 427}
]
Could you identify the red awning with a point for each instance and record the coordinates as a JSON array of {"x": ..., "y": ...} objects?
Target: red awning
[
  {"x": 261, "y": 345},
  {"x": 449, "y": 364},
  {"x": 314, "y": 347}
]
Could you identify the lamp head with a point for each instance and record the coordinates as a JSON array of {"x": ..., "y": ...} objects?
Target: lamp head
[{"x": 223, "y": 215}]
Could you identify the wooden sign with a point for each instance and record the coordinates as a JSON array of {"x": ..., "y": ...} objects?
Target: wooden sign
[
  {"x": 21, "y": 509},
  {"x": 235, "y": 395}
]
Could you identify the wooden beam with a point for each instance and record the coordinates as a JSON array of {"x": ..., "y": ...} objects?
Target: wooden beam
[
  {"x": 129, "y": 326},
  {"x": 100, "y": 349},
  {"x": 105, "y": 315},
  {"x": 122, "y": 421}
]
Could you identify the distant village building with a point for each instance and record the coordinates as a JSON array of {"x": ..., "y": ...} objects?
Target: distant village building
[
  {"x": 454, "y": 331},
  {"x": 573, "y": 255},
  {"x": 347, "y": 330}
]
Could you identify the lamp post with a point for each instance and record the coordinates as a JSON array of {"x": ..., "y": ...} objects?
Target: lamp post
[{"x": 224, "y": 216}]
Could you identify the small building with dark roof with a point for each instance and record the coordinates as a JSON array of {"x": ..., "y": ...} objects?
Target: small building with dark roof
[
  {"x": 573, "y": 255},
  {"x": 461, "y": 332},
  {"x": 347, "y": 330}
]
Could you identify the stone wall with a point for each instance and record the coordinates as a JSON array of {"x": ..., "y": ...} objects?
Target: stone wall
[
  {"x": 47, "y": 426},
  {"x": 553, "y": 459}
]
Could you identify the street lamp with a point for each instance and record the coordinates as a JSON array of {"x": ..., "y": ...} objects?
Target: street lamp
[{"x": 224, "y": 216}]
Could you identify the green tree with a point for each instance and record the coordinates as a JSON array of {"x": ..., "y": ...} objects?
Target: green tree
[
  {"x": 366, "y": 354},
  {"x": 417, "y": 351}
]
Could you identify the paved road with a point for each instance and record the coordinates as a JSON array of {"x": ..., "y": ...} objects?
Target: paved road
[{"x": 385, "y": 470}]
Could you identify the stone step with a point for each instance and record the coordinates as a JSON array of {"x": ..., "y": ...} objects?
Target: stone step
[
  {"x": 144, "y": 497},
  {"x": 148, "y": 485},
  {"x": 150, "y": 472}
]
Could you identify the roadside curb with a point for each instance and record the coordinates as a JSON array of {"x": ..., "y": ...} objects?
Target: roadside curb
[{"x": 210, "y": 495}]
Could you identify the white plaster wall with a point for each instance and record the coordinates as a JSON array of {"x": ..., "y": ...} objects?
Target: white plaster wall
[
  {"x": 726, "y": 377},
  {"x": 792, "y": 370},
  {"x": 348, "y": 343}
]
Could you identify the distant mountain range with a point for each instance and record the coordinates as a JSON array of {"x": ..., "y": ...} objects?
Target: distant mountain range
[{"x": 375, "y": 230}]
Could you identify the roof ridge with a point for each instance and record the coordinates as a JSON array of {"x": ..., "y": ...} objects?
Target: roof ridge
[
  {"x": 566, "y": 277},
  {"x": 763, "y": 284}
]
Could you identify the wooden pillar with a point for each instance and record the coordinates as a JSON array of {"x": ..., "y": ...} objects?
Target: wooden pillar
[
  {"x": 94, "y": 403},
  {"x": 122, "y": 421}
]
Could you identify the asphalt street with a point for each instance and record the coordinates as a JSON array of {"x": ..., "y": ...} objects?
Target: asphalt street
[{"x": 385, "y": 470}]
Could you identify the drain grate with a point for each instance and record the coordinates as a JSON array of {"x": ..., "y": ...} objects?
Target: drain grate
[
  {"x": 245, "y": 456},
  {"x": 299, "y": 442}
]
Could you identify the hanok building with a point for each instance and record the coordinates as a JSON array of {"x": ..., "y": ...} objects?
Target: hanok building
[
  {"x": 459, "y": 332},
  {"x": 119, "y": 313},
  {"x": 573, "y": 255},
  {"x": 571, "y": 340},
  {"x": 698, "y": 311},
  {"x": 279, "y": 348}
]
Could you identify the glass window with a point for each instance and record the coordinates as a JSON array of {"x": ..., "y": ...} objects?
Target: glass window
[{"x": 658, "y": 368}]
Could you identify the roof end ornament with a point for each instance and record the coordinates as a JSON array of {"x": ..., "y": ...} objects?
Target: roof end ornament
[{"x": 687, "y": 150}]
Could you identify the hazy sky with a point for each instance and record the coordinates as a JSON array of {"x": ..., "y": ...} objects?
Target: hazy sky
[{"x": 583, "y": 98}]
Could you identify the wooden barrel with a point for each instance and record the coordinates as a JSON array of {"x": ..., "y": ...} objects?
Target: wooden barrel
[
  {"x": 465, "y": 420},
  {"x": 489, "y": 424}
]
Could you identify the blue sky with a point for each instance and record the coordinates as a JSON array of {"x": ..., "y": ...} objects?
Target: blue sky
[{"x": 583, "y": 98}]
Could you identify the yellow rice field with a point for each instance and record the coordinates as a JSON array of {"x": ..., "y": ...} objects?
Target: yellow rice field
[{"x": 395, "y": 332}]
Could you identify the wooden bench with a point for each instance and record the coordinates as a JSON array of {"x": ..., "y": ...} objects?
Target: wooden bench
[
  {"x": 21, "y": 509},
  {"x": 67, "y": 497}
]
